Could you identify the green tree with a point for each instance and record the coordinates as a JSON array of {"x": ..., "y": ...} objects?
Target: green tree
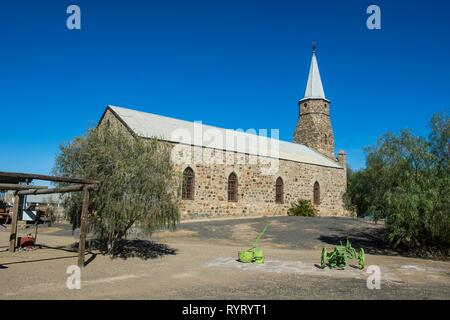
[
  {"x": 406, "y": 182},
  {"x": 137, "y": 184}
]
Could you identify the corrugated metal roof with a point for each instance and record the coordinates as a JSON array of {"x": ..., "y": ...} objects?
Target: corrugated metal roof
[{"x": 148, "y": 125}]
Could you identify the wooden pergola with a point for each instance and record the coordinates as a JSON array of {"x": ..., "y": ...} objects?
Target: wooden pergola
[{"x": 14, "y": 181}]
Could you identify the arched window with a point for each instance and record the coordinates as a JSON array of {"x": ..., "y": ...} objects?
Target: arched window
[
  {"x": 279, "y": 190},
  {"x": 188, "y": 184},
  {"x": 232, "y": 187},
  {"x": 316, "y": 193}
]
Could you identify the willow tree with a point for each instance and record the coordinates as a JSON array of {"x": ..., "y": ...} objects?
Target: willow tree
[{"x": 137, "y": 184}]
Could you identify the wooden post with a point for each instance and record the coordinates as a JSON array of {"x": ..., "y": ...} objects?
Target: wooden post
[
  {"x": 74, "y": 188},
  {"x": 12, "y": 186},
  {"x": 14, "y": 220},
  {"x": 36, "y": 226},
  {"x": 83, "y": 227}
]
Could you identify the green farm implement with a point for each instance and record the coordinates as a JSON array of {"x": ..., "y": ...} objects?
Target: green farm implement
[
  {"x": 254, "y": 254},
  {"x": 336, "y": 258}
]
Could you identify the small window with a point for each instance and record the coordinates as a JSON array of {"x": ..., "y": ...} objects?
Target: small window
[
  {"x": 232, "y": 187},
  {"x": 305, "y": 106},
  {"x": 279, "y": 191},
  {"x": 326, "y": 139},
  {"x": 188, "y": 184},
  {"x": 316, "y": 193}
]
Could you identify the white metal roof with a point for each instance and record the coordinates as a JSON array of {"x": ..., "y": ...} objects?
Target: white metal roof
[
  {"x": 148, "y": 125},
  {"x": 314, "y": 88}
]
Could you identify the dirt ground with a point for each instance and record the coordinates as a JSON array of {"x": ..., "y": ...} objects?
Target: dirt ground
[{"x": 198, "y": 261}]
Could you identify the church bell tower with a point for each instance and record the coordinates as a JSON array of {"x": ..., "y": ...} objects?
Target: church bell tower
[{"x": 314, "y": 125}]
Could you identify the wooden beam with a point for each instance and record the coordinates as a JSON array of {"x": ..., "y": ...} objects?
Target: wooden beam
[
  {"x": 83, "y": 227},
  {"x": 15, "y": 218},
  {"x": 12, "y": 186},
  {"x": 73, "y": 188},
  {"x": 11, "y": 176}
]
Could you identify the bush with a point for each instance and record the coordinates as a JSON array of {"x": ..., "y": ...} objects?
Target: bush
[{"x": 303, "y": 208}]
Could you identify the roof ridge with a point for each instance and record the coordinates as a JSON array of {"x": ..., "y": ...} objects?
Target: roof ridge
[{"x": 138, "y": 126}]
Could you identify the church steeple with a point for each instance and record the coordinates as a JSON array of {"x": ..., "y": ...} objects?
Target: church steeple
[
  {"x": 314, "y": 125},
  {"x": 314, "y": 88}
]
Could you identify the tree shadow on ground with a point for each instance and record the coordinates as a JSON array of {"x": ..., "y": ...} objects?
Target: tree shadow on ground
[
  {"x": 372, "y": 242},
  {"x": 143, "y": 249},
  {"x": 125, "y": 249}
]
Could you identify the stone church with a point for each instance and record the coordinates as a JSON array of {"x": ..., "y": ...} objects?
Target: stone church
[{"x": 234, "y": 185}]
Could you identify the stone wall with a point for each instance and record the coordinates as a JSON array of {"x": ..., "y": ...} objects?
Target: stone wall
[
  {"x": 256, "y": 191},
  {"x": 314, "y": 126}
]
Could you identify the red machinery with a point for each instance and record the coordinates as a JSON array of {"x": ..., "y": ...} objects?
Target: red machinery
[{"x": 26, "y": 242}]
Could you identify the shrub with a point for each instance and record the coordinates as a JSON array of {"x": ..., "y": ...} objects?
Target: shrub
[{"x": 303, "y": 208}]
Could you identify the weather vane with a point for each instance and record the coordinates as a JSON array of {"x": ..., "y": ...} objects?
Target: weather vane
[{"x": 314, "y": 46}]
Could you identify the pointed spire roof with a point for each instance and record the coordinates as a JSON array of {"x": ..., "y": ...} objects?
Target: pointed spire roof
[{"x": 314, "y": 88}]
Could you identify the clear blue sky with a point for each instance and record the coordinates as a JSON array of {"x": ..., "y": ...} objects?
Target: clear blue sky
[{"x": 233, "y": 64}]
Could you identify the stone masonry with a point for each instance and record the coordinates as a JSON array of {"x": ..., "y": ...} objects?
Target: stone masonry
[{"x": 314, "y": 126}]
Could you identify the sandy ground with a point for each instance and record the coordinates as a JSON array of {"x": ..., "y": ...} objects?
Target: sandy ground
[{"x": 199, "y": 262}]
